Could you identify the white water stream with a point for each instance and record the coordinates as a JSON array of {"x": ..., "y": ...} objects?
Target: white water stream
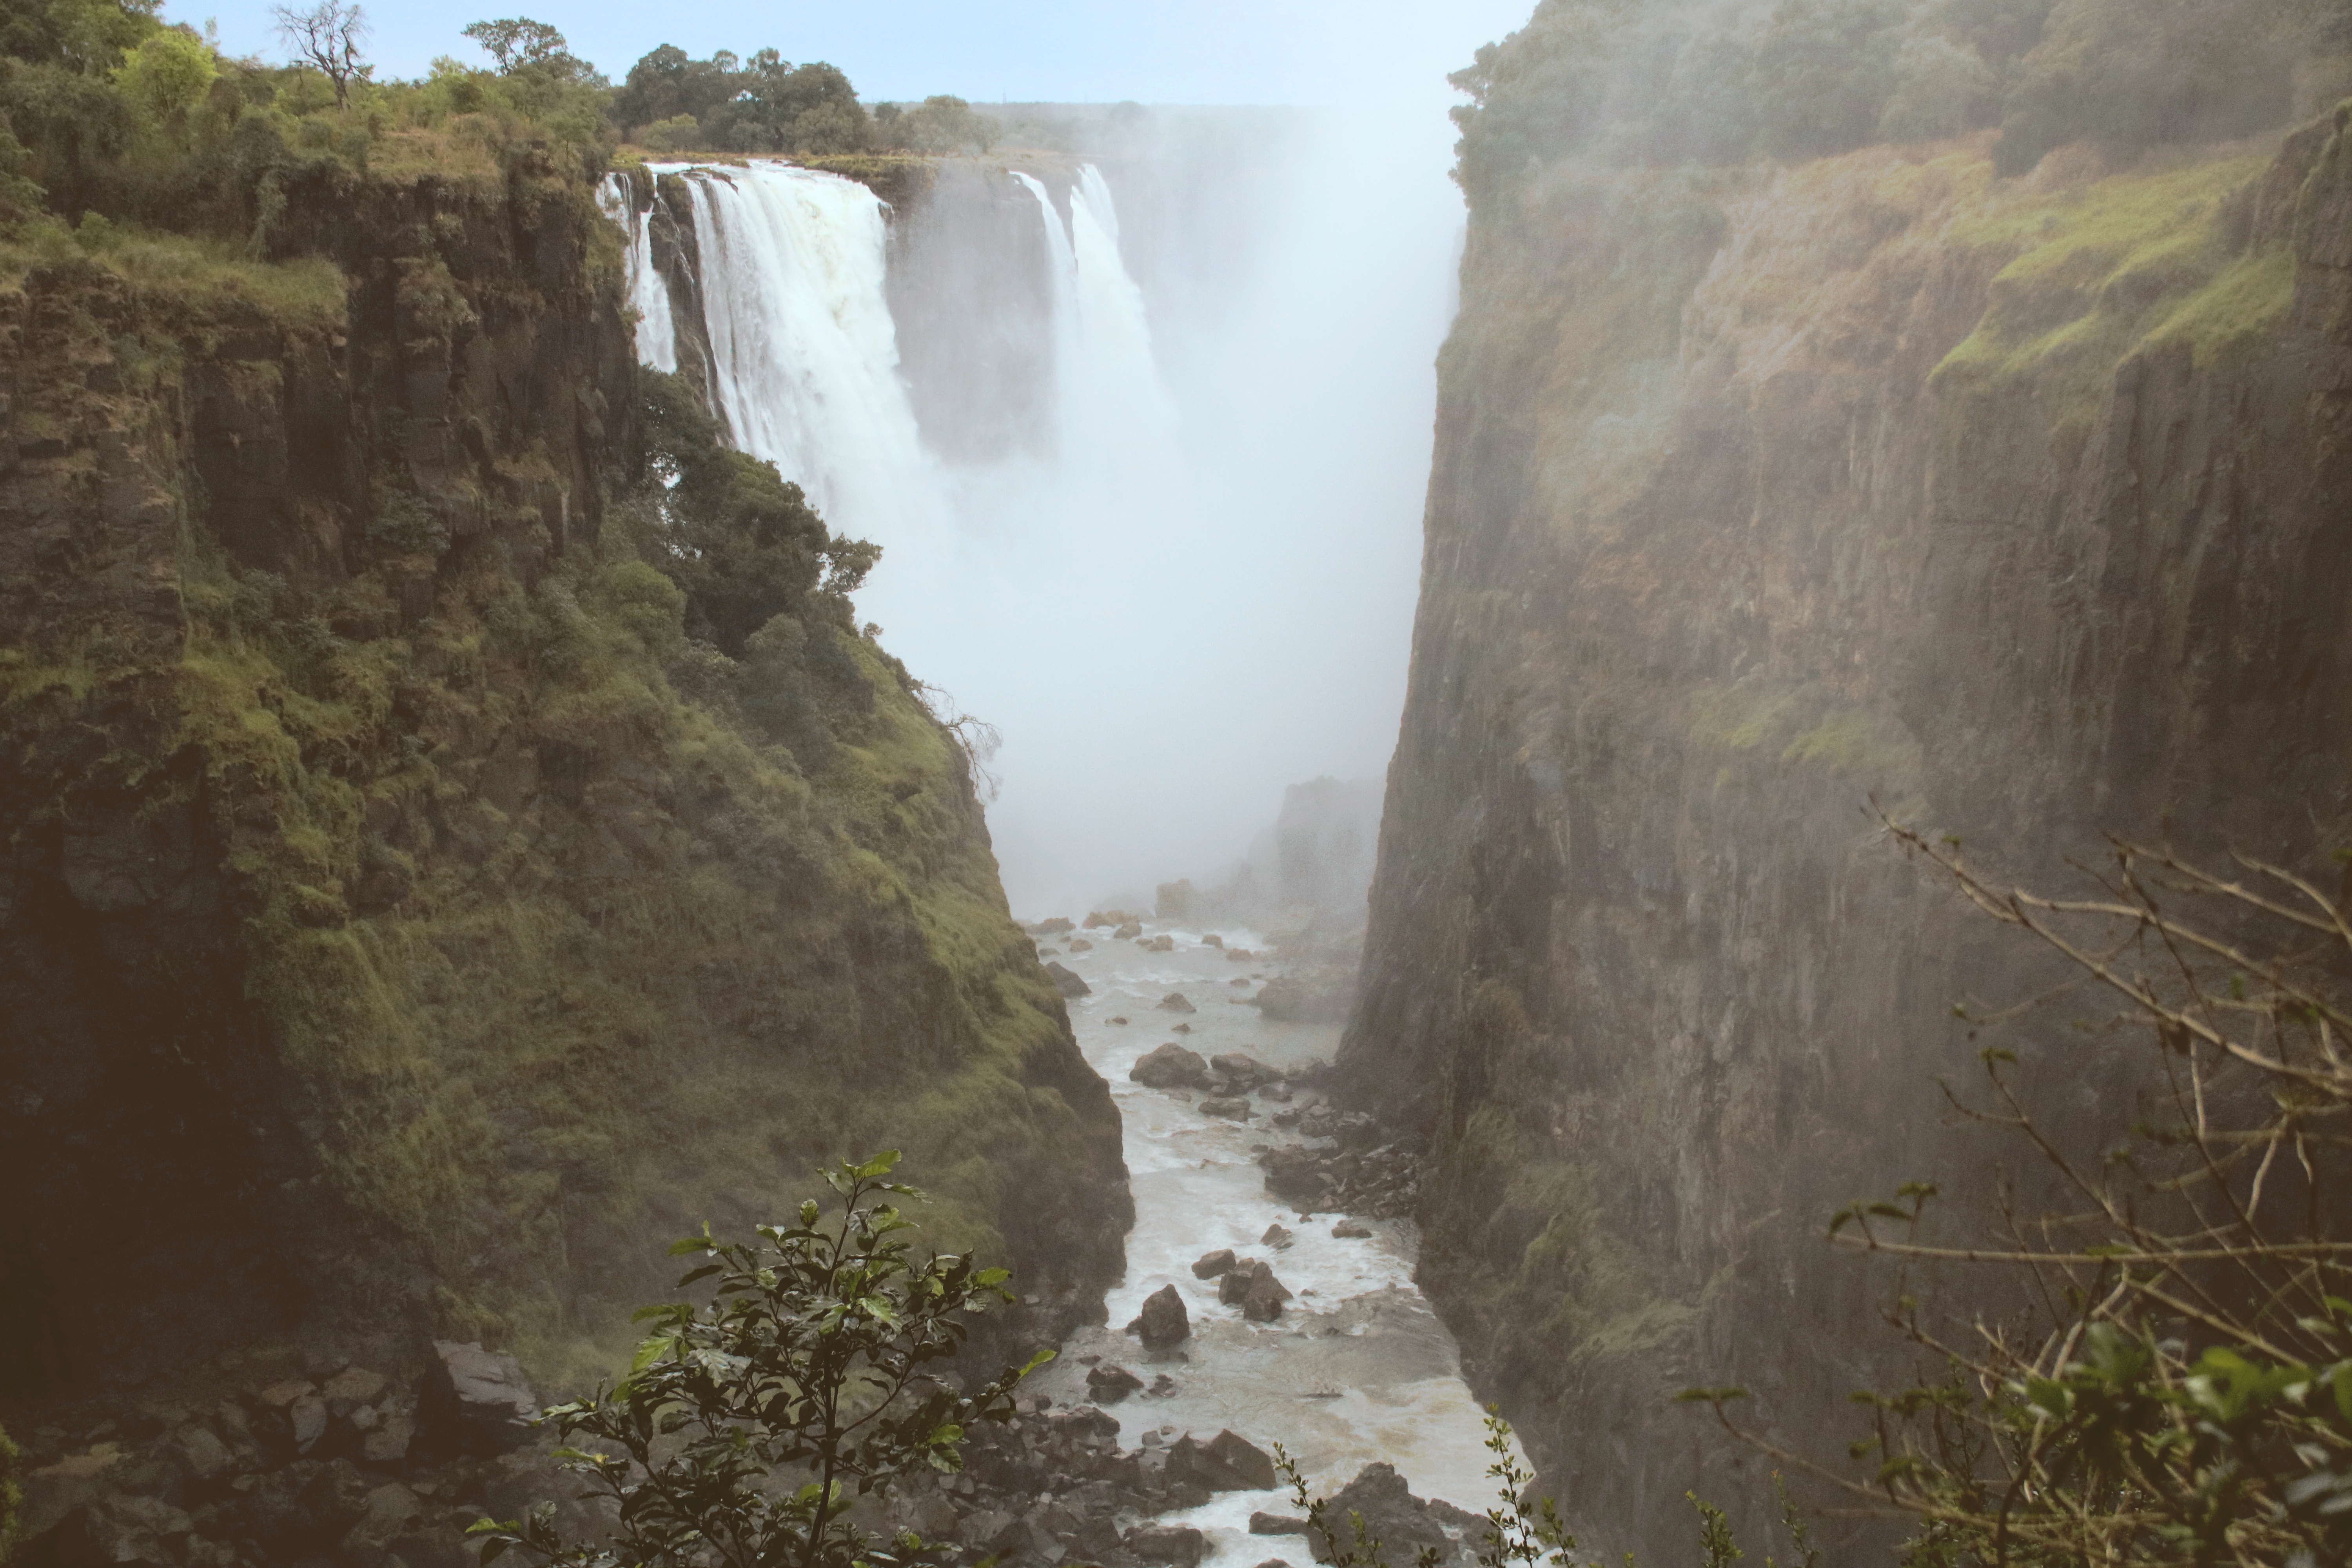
[{"x": 1358, "y": 1368}]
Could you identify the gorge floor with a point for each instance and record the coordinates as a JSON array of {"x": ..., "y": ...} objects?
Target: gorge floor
[{"x": 1358, "y": 1368}]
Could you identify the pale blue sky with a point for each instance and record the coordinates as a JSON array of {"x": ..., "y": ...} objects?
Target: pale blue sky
[{"x": 1199, "y": 51}]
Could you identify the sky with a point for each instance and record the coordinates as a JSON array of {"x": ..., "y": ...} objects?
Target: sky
[{"x": 1197, "y": 51}]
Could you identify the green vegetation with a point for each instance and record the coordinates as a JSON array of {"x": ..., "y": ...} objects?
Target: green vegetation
[
  {"x": 2101, "y": 271},
  {"x": 1628, "y": 82},
  {"x": 820, "y": 1352},
  {"x": 12, "y": 1497}
]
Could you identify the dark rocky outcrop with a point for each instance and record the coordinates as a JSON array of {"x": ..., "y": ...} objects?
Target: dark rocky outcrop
[
  {"x": 400, "y": 926},
  {"x": 1759, "y": 496},
  {"x": 1163, "y": 1322},
  {"x": 1171, "y": 1066}
]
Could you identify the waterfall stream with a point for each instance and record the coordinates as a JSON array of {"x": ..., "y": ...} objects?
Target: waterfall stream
[{"x": 1358, "y": 1368}]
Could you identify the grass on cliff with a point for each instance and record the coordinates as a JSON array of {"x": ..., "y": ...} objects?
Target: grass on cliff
[{"x": 2102, "y": 271}]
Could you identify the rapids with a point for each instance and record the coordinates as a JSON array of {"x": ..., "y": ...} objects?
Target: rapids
[{"x": 1358, "y": 1368}]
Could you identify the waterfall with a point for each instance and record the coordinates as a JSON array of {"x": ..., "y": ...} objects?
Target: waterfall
[
  {"x": 648, "y": 292},
  {"x": 804, "y": 357},
  {"x": 1111, "y": 405}
]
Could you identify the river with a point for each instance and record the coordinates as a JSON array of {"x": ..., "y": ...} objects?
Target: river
[{"x": 1358, "y": 1367}]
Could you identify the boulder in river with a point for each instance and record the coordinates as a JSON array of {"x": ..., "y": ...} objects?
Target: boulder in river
[
  {"x": 1177, "y": 1545},
  {"x": 1163, "y": 944},
  {"x": 1244, "y": 1070},
  {"x": 1163, "y": 1321},
  {"x": 1170, "y": 1067},
  {"x": 1129, "y": 931},
  {"x": 1225, "y": 1463},
  {"x": 1263, "y": 1524},
  {"x": 1295, "y": 1175},
  {"x": 1109, "y": 1383},
  {"x": 1120, "y": 1022},
  {"x": 1266, "y": 1295},
  {"x": 1213, "y": 939},
  {"x": 1175, "y": 1002},
  {"x": 1284, "y": 1000},
  {"x": 1054, "y": 926},
  {"x": 1233, "y": 1284},
  {"x": 1065, "y": 981},
  {"x": 1212, "y": 1264},
  {"x": 1232, "y": 1106},
  {"x": 1080, "y": 944},
  {"x": 1403, "y": 1523},
  {"x": 1277, "y": 1238},
  {"x": 1349, "y": 1230}
]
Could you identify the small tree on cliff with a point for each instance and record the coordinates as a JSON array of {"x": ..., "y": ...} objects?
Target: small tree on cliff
[
  {"x": 2176, "y": 1387},
  {"x": 818, "y": 1356},
  {"x": 327, "y": 35}
]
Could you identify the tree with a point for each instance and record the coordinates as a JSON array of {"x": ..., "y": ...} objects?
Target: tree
[
  {"x": 821, "y": 1352},
  {"x": 516, "y": 42},
  {"x": 2175, "y": 1386},
  {"x": 327, "y": 35}
]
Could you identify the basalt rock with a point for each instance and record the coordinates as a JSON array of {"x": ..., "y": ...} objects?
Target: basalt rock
[
  {"x": 1067, "y": 981},
  {"x": 1171, "y": 1066},
  {"x": 1163, "y": 1322}
]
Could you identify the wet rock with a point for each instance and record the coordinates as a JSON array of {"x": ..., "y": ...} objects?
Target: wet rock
[
  {"x": 1160, "y": 944},
  {"x": 1054, "y": 927},
  {"x": 1240, "y": 954},
  {"x": 1171, "y": 1066},
  {"x": 1178, "y": 1545},
  {"x": 201, "y": 1453},
  {"x": 1244, "y": 1070},
  {"x": 1234, "y": 1108},
  {"x": 1163, "y": 1321},
  {"x": 1318, "y": 1122},
  {"x": 1111, "y": 1383},
  {"x": 1263, "y": 1304},
  {"x": 1129, "y": 931},
  {"x": 1181, "y": 1028},
  {"x": 1286, "y": 1119},
  {"x": 1213, "y": 939},
  {"x": 1403, "y": 1524},
  {"x": 1212, "y": 1264},
  {"x": 1120, "y": 1022},
  {"x": 1284, "y": 1000},
  {"x": 1295, "y": 1175},
  {"x": 1065, "y": 981},
  {"x": 475, "y": 1401},
  {"x": 1175, "y": 1002},
  {"x": 1162, "y": 1386},
  {"x": 1232, "y": 1286},
  {"x": 1277, "y": 1238},
  {"x": 1228, "y": 1462},
  {"x": 1349, "y": 1230},
  {"x": 1276, "y": 1562},
  {"x": 1276, "y": 1524},
  {"x": 352, "y": 1387},
  {"x": 1080, "y": 944}
]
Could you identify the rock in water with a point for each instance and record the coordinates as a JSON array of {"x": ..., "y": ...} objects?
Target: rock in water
[
  {"x": 1232, "y": 1106},
  {"x": 1277, "y": 1238},
  {"x": 1175, "y": 1002},
  {"x": 1163, "y": 1321},
  {"x": 1276, "y": 1524},
  {"x": 1233, "y": 1286},
  {"x": 1054, "y": 926},
  {"x": 1403, "y": 1523},
  {"x": 1228, "y": 1462},
  {"x": 1110, "y": 1382},
  {"x": 475, "y": 1401},
  {"x": 1242, "y": 1067},
  {"x": 1170, "y": 1067},
  {"x": 1178, "y": 1545},
  {"x": 1349, "y": 1230},
  {"x": 1065, "y": 981},
  {"x": 1127, "y": 932},
  {"x": 1264, "y": 1303},
  {"x": 1295, "y": 1175},
  {"x": 1212, "y": 1264}
]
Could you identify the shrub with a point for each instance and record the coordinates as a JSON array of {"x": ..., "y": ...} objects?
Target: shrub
[{"x": 820, "y": 1352}]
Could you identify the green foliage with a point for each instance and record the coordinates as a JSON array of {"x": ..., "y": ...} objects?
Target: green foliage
[
  {"x": 764, "y": 104},
  {"x": 12, "y": 1497},
  {"x": 740, "y": 540},
  {"x": 167, "y": 76},
  {"x": 1718, "y": 82},
  {"x": 942, "y": 124},
  {"x": 819, "y": 1354}
]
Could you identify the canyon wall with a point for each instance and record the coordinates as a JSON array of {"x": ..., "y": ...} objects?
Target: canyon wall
[
  {"x": 404, "y": 927},
  {"x": 2017, "y": 506}
]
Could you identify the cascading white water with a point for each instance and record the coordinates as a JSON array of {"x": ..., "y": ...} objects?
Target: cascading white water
[
  {"x": 805, "y": 356},
  {"x": 1112, "y": 409},
  {"x": 648, "y": 292}
]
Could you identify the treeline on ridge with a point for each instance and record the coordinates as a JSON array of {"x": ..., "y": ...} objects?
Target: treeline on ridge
[
  {"x": 1723, "y": 81},
  {"x": 105, "y": 109}
]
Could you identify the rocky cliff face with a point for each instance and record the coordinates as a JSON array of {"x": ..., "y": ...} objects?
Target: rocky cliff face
[
  {"x": 400, "y": 928},
  {"x": 2016, "y": 505}
]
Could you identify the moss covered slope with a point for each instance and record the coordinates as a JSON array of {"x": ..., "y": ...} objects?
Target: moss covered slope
[{"x": 402, "y": 923}]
